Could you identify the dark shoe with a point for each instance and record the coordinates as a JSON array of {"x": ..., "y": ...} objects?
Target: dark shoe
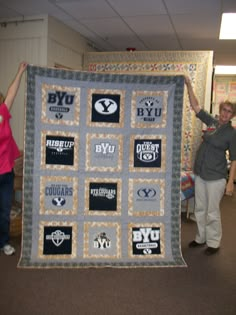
[
  {"x": 195, "y": 244},
  {"x": 211, "y": 251}
]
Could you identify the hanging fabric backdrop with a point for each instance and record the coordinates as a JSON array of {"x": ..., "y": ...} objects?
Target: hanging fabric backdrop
[{"x": 101, "y": 170}]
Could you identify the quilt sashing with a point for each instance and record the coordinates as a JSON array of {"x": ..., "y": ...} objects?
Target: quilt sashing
[{"x": 101, "y": 170}]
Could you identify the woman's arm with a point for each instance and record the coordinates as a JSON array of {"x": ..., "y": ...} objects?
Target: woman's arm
[
  {"x": 14, "y": 86},
  {"x": 192, "y": 97},
  {"x": 230, "y": 184}
]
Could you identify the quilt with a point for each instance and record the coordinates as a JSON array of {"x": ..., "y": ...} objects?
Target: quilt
[
  {"x": 187, "y": 185},
  {"x": 102, "y": 165}
]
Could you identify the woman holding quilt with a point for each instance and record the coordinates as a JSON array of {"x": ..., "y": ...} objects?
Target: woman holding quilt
[
  {"x": 211, "y": 173},
  {"x": 8, "y": 153}
]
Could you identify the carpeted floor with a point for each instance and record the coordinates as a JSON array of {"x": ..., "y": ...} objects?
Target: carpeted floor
[{"x": 206, "y": 286}]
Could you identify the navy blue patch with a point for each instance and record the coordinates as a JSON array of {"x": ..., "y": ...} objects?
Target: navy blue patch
[
  {"x": 146, "y": 241},
  {"x": 59, "y": 150},
  {"x": 106, "y": 108},
  {"x": 147, "y": 153},
  {"x": 57, "y": 240},
  {"x": 103, "y": 196}
]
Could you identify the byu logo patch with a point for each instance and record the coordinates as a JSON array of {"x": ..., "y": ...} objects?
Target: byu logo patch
[
  {"x": 58, "y": 201},
  {"x": 146, "y": 193},
  {"x": 58, "y": 195},
  {"x": 106, "y": 108},
  {"x": 149, "y": 109},
  {"x": 147, "y": 153},
  {"x": 102, "y": 241},
  {"x": 146, "y": 240},
  {"x": 60, "y": 103}
]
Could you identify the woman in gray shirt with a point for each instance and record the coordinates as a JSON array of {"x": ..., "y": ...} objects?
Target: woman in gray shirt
[{"x": 211, "y": 173}]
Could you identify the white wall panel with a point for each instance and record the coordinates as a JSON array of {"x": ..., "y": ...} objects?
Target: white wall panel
[
  {"x": 20, "y": 42},
  {"x": 42, "y": 41}
]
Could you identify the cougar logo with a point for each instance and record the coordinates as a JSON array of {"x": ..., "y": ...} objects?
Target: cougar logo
[
  {"x": 105, "y": 106},
  {"x": 58, "y": 201}
]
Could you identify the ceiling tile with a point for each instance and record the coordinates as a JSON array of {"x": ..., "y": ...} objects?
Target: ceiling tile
[
  {"x": 88, "y": 9},
  {"x": 202, "y": 44},
  {"x": 198, "y": 26},
  {"x": 229, "y": 6},
  {"x": 139, "y": 7},
  {"x": 33, "y": 7},
  {"x": 107, "y": 27},
  {"x": 150, "y": 25},
  {"x": 190, "y": 6},
  {"x": 122, "y": 43},
  {"x": 111, "y": 25},
  {"x": 161, "y": 43}
]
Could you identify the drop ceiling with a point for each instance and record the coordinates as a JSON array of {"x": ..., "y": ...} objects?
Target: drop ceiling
[{"x": 115, "y": 25}]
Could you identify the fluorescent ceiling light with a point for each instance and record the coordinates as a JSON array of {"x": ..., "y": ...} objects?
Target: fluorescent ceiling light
[
  {"x": 228, "y": 26},
  {"x": 225, "y": 69}
]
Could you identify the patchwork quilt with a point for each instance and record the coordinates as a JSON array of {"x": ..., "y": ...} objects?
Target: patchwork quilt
[{"x": 102, "y": 170}]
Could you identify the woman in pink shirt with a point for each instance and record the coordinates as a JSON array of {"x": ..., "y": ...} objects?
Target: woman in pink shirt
[{"x": 8, "y": 153}]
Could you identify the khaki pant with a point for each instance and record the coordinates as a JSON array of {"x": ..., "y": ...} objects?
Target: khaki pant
[{"x": 208, "y": 195}]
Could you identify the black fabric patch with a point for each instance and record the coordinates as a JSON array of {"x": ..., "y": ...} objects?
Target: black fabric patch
[
  {"x": 103, "y": 196},
  {"x": 147, "y": 153},
  {"x": 146, "y": 241},
  {"x": 106, "y": 108},
  {"x": 57, "y": 240},
  {"x": 59, "y": 150}
]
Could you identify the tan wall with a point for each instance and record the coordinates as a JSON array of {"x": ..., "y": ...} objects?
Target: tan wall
[
  {"x": 224, "y": 58},
  {"x": 66, "y": 47}
]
